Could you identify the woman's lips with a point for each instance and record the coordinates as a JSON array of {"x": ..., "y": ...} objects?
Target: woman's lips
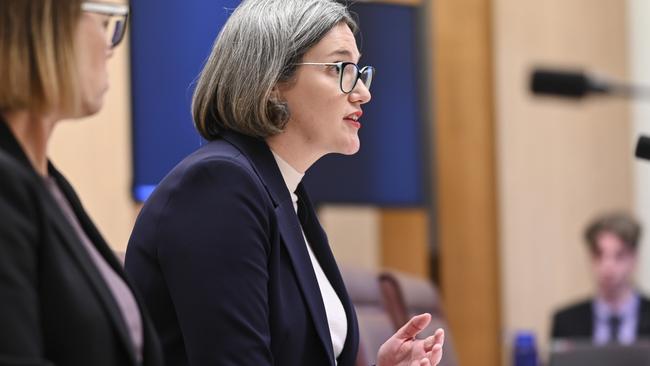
[{"x": 354, "y": 123}]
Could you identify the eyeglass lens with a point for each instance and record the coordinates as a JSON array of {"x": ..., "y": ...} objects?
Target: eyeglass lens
[
  {"x": 349, "y": 77},
  {"x": 115, "y": 29}
]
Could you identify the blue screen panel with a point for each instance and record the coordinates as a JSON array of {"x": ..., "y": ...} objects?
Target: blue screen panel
[
  {"x": 388, "y": 170},
  {"x": 170, "y": 40}
]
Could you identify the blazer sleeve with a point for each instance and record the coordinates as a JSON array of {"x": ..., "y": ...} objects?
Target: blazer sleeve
[
  {"x": 213, "y": 240},
  {"x": 20, "y": 331}
]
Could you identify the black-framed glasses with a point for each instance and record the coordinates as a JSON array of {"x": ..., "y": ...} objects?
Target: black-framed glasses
[
  {"x": 118, "y": 15},
  {"x": 349, "y": 74}
]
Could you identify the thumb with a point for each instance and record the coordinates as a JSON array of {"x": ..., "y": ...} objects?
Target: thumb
[{"x": 413, "y": 326}]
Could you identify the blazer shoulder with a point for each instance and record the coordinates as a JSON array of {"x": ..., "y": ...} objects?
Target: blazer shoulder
[
  {"x": 217, "y": 169},
  {"x": 576, "y": 307},
  {"x": 645, "y": 301},
  {"x": 14, "y": 171},
  {"x": 217, "y": 154},
  {"x": 21, "y": 209},
  {"x": 18, "y": 183},
  {"x": 574, "y": 320},
  {"x": 643, "y": 327},
  {"x": 644, "y": 308}
]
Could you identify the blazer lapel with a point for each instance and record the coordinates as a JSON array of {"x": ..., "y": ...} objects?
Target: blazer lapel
[
  {"x": 588, "y": 322},
  {"x": 643, "y": 321},
  {"x": 86, "y": 223},
  {"x": 84, "y": 261},
  {"x": 320, "y": 245},
  {"x": 292, "y": 237},
  {"x": 9, "y": 144},
  {"x": 261, "y": 158},
  {"x": 150, "y": 352}
]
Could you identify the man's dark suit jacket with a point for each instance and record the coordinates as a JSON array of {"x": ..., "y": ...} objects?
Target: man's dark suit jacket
[
  {"x": 55, "y": 308},
  {"x": 577, "y": 321},
  {"x": 219, "y": 257}
]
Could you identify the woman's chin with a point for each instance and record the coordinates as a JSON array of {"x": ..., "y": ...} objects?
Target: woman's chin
[
  {"x": 355, "y": 145},
  {"x": 352, "y": 149},
  {"x": 91, "y": 107}
]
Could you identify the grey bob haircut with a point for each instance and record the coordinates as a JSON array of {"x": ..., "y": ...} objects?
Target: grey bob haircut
[{"x": 256, "y": 49}]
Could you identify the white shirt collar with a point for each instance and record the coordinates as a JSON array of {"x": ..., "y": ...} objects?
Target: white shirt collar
[
  {"x": 628, "y": 308},
  {"x": 291, "y": 176}
]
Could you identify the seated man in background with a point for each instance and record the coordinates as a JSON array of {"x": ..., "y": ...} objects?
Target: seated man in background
[{"x": 618, "y": 313}]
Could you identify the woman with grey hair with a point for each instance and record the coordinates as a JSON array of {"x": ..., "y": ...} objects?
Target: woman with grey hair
[{"x": 228, "y": 251}]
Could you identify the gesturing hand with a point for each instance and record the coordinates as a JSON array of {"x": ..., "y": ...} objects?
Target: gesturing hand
[{"x": 402, "y": 349}]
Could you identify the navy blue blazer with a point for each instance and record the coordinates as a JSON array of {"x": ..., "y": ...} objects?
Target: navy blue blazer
[
  {"x": 55, "y": 307},
  {"x": 219, "y": 256}
]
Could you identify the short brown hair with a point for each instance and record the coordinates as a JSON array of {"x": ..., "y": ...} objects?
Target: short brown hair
[
  {"x": 620, "y": 224},
  {"x": 256, "y": 50},
  {"x": 37, "y": 66}
]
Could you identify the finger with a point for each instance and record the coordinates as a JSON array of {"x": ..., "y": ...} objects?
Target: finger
[
  {"x": 440, "y": 336},
  {"x": 424, "y": 362},
  {"x": 429, "y": 342},
  {"x": 413, "y": 326},
  {"x": 437, "y": 338},
  {"x": 435, "y": 355}
]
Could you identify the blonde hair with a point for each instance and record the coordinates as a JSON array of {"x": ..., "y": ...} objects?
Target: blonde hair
[
  {"x": 38, "y": 63},
  {"x": 258, "y": 48}
]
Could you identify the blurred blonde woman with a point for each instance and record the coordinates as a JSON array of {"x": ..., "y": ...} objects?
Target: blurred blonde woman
[{"x": 64, "y": 299}]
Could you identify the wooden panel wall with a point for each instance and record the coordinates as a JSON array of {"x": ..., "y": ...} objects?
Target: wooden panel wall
[
  {"x": 404, "y": 237},
  {"x": 466, "y": 177}
]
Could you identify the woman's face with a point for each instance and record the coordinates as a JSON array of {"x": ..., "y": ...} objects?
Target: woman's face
[
  {"x": 322, "y": 116},
  {"x": 92, "y": 52}
]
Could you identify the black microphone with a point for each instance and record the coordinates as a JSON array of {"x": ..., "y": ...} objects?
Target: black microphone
[
  {"x": 643, "y": 148},
  {"x": 578, "y": 84}
]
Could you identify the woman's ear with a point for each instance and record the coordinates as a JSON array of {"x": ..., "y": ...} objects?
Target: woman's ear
[
  {"x": 277, "y": 94},
  {"x": 277, "y": 107}
]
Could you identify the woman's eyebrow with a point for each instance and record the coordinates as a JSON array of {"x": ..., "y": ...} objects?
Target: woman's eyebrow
[{"x": 342, "y": 52}]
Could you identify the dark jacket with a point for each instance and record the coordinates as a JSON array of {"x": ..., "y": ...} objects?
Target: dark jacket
[
  {"x": 55, "y": 308},
  {"x": 577, "y": 320},
  {"x": 219, "y": 256}
]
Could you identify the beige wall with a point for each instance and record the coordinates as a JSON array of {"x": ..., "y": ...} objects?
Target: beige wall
[
  {"x": 354, "y": 234},
  {"x": 95, "y": 155},
  {"x": 559, "y": 162}
]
